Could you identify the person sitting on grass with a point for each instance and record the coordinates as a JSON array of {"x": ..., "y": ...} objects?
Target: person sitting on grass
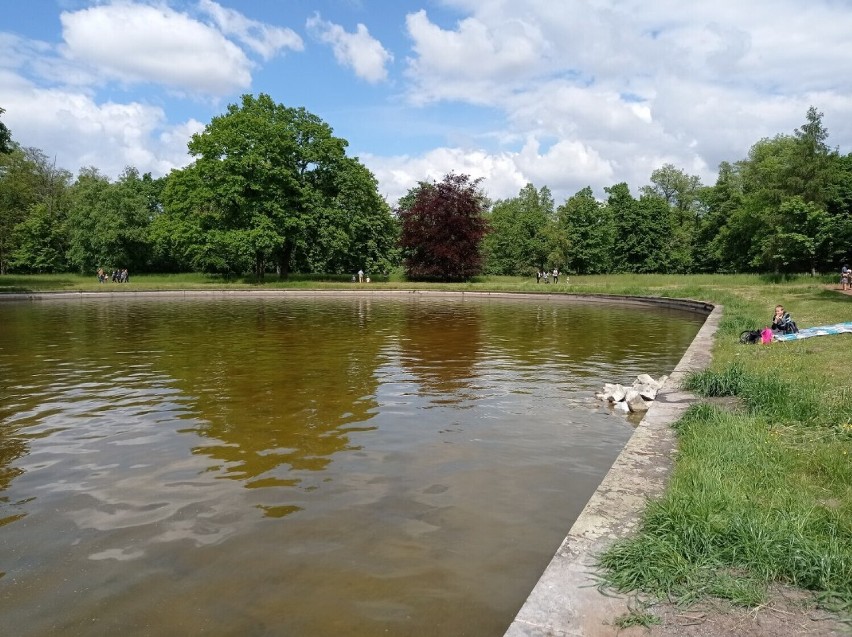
[{"x": 782, "y": 323}]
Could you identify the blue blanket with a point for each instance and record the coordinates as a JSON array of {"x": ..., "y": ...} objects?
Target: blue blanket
[{"x": 824, "y": 330}]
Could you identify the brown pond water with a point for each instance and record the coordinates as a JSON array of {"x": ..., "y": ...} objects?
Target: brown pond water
[{"x": 304, "y": 467}]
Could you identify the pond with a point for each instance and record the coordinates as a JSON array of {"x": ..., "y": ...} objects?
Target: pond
[{"x": 303, "y": 466}]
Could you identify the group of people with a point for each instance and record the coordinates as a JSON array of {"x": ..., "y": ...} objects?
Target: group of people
[
  {"x": 117, "y": 276},
  {"x": 543, "y": 275}
]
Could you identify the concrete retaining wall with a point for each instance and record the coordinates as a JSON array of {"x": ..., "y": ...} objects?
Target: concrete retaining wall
[{"x": 681, "y": 304}]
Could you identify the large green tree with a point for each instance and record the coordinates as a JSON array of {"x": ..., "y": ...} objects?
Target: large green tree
[
  {"x": 5, "y": 136},
  {"x": 179, "y": 241},
  {"x": 588, "y": 227},
  {"x": 41, "y": 239},
  {"x": 272, "y": 186},
  {"x": 840, "y": 209},
  {"x": 519, "y": 240},
  {"x": 443, "y": 229},
  {"x": 783, "y": 223},
  {"x": 109, "y": 222},
  {"x": 679, "y": 189},
  {"x": 353, "y": 230},
  {"x": 643, "y": 231},
  {"x": 812, "y": 169},
  {"x": 713, "y": 243},
  {"x": 681, "y": 192},
  {"x": 801, "y": 230},
  {"x": 651, "y": 246},
  {"x": 622, "y": 210},
  {"x": 27, "y": 178}
]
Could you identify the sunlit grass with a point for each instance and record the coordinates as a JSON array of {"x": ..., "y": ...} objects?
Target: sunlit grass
[{"x": 758, "y": 495}]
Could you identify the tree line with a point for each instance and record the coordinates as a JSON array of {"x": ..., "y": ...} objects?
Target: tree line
[
  {"x": 272, "y": 190},
  {"x": 786, "y": 207}
]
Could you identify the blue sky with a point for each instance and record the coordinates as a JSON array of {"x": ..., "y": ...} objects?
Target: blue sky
[{"x": 561, "y": 94}]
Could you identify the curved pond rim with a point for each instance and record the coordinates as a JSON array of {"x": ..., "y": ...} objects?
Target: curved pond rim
[{"x": 689, "y": 305}]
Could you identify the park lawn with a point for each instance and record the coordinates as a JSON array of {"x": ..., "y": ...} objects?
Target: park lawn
[{"x": 759, "y": 494}]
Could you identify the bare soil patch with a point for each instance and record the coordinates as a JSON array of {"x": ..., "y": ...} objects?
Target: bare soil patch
[{"x": 789, "y": 612}]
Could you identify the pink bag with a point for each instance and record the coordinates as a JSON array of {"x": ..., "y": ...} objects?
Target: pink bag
[{"x": 766, "y": 335}]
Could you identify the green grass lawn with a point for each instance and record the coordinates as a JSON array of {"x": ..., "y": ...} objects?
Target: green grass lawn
[{"x": 758, "y": 495}]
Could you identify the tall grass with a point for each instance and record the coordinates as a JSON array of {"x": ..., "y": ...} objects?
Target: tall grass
[{"x": 757, "y": 496}]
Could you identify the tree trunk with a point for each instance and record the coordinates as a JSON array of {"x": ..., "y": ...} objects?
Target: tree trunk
[{"x": 284, "y": 260}]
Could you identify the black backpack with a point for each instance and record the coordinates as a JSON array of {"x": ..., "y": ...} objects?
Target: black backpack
[{"x": 750, "y": 337}]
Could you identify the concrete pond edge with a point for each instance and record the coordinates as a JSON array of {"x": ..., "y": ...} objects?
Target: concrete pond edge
[{"x": 361, "y": 291}]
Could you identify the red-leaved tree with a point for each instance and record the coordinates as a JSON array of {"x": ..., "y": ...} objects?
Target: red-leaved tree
[{"x": 442, "y": 229}]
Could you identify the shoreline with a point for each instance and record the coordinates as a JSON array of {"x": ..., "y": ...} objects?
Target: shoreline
[{"x": 701, "y": 307}]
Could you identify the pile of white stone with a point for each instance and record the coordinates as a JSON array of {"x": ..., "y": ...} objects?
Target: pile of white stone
[{"x": 635, "y": 398}]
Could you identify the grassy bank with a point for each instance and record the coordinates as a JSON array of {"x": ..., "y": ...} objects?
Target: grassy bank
[
  {"x": 761, "y": 493},
  {"x": 762, "y": 488}
]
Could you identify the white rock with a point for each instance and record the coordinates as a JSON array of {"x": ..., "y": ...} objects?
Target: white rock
[
  {"x": 617, "y": 394},
  {"x": 621, "y": 406},
  {"x": 635, "y": 403},
  {"x": 648, "y": 392},
  {"x": 644, "y": 379}
]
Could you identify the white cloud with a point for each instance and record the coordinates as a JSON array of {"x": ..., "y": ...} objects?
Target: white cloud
[
  {"x": 116, "y": 135},
  {"x": 40, "y": 59},
  {"x": 579, "y": 92},
  {"x": 261, "y": 38},
  {"x": 565, "y": 168},
  {"x": 564, "y": 163},
  {"x": 139, "y": 43},
  {"x": 614, "y": 89},
  {"x": 359, "y": 51},
  {"x": 396, "y": 175},
  {"x": 474, "y": 61},
  {"x": 50, "y": 92}
]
